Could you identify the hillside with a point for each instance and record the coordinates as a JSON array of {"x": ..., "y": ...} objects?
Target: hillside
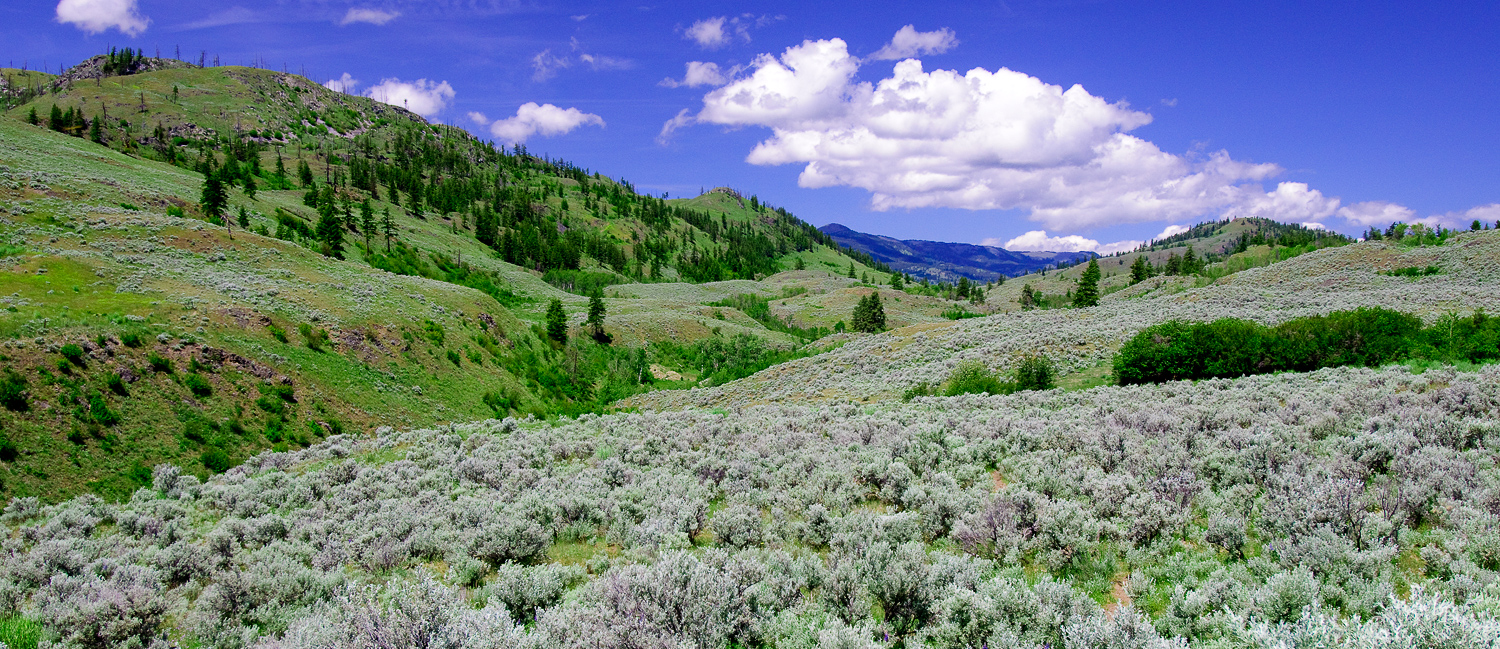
[
  {"x": 106, "y": 241},
  {"x": 946, "y": 262},
  {"x": 1081, "y": 341},
  {"x": 299, "y": 423}
]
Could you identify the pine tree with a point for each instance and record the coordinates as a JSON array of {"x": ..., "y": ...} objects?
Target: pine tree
[
  {"x": 1174, "y": 264},
  {"x": 387, "y": 227},
  {"x": 869, "y": 314},
  {"x": 31, "y": 117},
  {"x": 557, "y": 322},
  {"x": 800, "y": 265},
  {"x": 304, "y": 174},
  {"x": 1139, "y": 270},
  {"x": 55, "y": 119},
  {"x": 250, "y": 186},
  {"x": 95, "y": 132},
  {"x": 851, "y": 270},
  {"x": 213, "y": 199},
  {"x": 330, "y": 228},
  {"x": 896, "y": 282},
  {"x": 1088, "y": 287},
  {"x": 244, "y": 218},
  {"x": 596, "y": 316},
  {"x": 1190, "y": 262},
  {"x": 366, "y": 220},
  {"x": 963, "y": 288},
  {"x": 1028, "y": 299}
]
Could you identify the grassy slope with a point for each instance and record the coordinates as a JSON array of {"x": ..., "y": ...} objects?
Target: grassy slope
[
  {"x": 81, "y": 267},
  {"x": 110, "y": 270}
]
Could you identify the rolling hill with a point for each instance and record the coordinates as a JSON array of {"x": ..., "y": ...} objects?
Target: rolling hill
[{"x": 946, "y": 262}]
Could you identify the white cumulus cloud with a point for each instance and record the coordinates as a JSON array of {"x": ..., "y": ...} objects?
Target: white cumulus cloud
[
  {"x": 95, "y": 16},
  {"x": 371, "y": 16},
  {"x": 909, "y": 42},
  {"x": 533, "y": 119},
  {"x": 345, "y": 84},
  {"x": 984, "y": 140},
  {"x": 422, "y": 97},
  {"x": 1037, "y": 240},
  {"x": 708, "y": 33},
  {"x": 699, "y": 73},
  {"x": 1171, "y": 230}
]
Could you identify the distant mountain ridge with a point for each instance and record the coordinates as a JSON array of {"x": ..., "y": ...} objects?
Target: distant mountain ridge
[{"x": 946, "y": 262}]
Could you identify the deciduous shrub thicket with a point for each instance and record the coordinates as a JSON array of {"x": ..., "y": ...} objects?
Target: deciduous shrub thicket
[
  {"x": 1346, "y": 506},
  {"x": 1370, "y": 337}
]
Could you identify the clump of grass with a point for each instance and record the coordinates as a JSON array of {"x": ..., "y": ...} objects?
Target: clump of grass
[
  {"x": 131, "y": 339},
  {"x": 20, "y": 633},
  {"x": 276, "y": 332},
  {"x": 116, "y": 384}
]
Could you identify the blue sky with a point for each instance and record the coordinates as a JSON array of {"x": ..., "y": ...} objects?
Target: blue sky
[{"x": 965, "y": 126}]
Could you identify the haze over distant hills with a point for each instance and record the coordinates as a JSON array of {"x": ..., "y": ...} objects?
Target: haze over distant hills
[{"x": 946, "y": 262}]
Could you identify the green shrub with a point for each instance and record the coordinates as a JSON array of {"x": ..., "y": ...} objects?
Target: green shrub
[
  {"x": 159, "y": 363},
  {"x": 499, "y": 403},
  {"x": 13, "y": 391},
  {"x": 919, "y": 390},
  {"x": 314, "y": 336},
  {"x": 176, "y": 211},
  {"x": 1035, "y": 373},
  {"x": 434, "y": 333},
  {"x": 100, "y": 412},
  {"x": 216, "y": 460},
  {"x": 1226, "y": 348},
  {"x": 131, "y": 339},
  {"x": 972, "y": 377},
  {"x": 277, "y": 333},
  {"x": 198, "y": 385},
  {"x": 8, "y": 450},
  {"x": 73, "y": 353}
]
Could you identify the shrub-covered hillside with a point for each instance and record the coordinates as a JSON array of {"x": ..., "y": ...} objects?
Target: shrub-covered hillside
[
  {"x": 1082, "y": 342},
  {"x": 1345, "y": 507}
]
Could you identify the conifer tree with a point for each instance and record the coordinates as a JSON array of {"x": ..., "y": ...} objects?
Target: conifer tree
[
  {"x": 1174, "y": 264},
  {"x": 557, "y": 322},
  {"x": 31, "y": 117},
  {"x": 1088, "y": 287},
  {"x": 250, "y": 186},
  {"x": 96, "y": 134},
  {"x": 596, "y": 316},
  {"x": 896, "y": 282},
  {"x": 330, "y": 228},
  {"x": 1139, "y": 270},
  {"x": 1190, "y": 262},
  {"x": 869, "y": 314},
  {"x": 366, "y": 220},
  {"x": 387, "y": 227},
  {"x": 304, "y": 174},
  {"x": 213, "y": 199},
  {"x": 851, "y": 270},
  {"x": 1028, "y": 299},
  {"x": 244, "y": 218},
  {"x": 55, "y": 119},
  {"x": 963, "y": 288}
]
